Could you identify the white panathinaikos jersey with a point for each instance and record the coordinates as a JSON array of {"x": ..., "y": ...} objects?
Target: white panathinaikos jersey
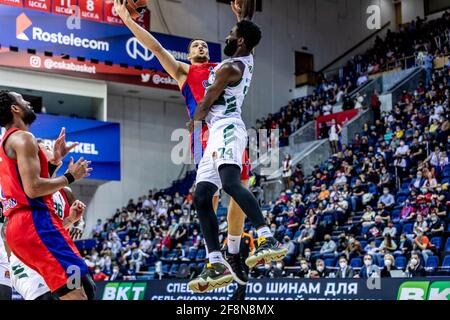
[{"x": 229, "y": 104}]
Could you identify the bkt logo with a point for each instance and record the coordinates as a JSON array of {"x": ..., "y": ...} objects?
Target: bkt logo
[
  {"x": 22, "y": 24},
  {"x": 135, "y": 49},
  {"x": 124, "y": 291}
]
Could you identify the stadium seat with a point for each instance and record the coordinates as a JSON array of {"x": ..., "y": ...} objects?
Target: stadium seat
[
  {"x": 400, "y": 262},
  {"x": 356, "y": 263},
  {"x": 437, "y": 242},
  {"x": 329, "y": 262},
  {"x": 447, "y": 246},
  {"x": 446, "y": 263},
  {"x": 201, "y": 255},
  {"x": 192, "y": 254},
  {"x": 432, "y": 262},
  {"x": 408, "y": 228}
]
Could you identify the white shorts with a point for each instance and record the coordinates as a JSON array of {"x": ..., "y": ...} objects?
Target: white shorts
[
  {"x": 226, "y": 145},
  {"x": 27, "y": 282},
  {"x": 5, "y": 274}
]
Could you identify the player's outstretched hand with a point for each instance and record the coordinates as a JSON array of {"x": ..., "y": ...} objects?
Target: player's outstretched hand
[
  {"x": 60, "y": 149},
  {"x": 120, "y": 6},
  {"x": 79, "y": 169}
]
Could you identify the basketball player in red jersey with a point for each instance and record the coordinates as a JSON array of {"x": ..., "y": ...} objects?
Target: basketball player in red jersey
[
  {"x": 191, "y": 80},
  {"x": 34, "y": 233}
]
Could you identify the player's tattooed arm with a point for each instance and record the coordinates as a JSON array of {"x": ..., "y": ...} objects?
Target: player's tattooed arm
[
  {"x": 26, "y": 149},
  {"x": 229, "y": 73},
  {"x": 176, "y": 69}
]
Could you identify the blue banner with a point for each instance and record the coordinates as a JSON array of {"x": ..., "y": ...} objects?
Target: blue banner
[
  {"x": 46, "y": 32},
  {"x": 99, "y": 142}
]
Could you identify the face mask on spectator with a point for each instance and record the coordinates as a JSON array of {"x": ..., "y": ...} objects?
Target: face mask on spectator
[
  {"x": 386, "y": 191},
  {"x": 279, "y": 266},
  {"x": 342, "y": 264},
  {"x": 368, "y": 262},
  {"x": 414, "y": 261},
  {"x": 320, "y": 268},
  {"x": 115, "y": 270},
  {"x": 434, "y": 218},
  {"x": 304, "y": 266},
  {"x": 388, "y": 263}
]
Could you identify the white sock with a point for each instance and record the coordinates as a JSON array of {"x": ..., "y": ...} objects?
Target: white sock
[
  {"x": 234, "y": 243},
  {"x": 215, "y": 257},
  {"x": 207, "y": 251},
  {"x": 264, "y": 232}
]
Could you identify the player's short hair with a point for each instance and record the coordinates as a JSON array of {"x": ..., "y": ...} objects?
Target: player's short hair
[
  {"x": 6, "y": 101},
  {"x": 192, "y": 41},
  {"x": 250, "y": 32}
]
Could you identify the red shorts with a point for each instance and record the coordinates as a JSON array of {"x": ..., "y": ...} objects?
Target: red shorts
[
  {"x": 39, "y": 240},
  {"x": 246, "y": 167}
]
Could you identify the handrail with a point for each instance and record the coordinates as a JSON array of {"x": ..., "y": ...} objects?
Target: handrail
[{"x": 355, "y": 46}]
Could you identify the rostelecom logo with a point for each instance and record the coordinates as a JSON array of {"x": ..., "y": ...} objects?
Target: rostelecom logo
[{"x": 22, "y": 24}]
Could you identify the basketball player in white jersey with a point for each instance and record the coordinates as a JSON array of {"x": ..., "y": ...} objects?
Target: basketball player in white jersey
[{"x": 221, "y": 165}]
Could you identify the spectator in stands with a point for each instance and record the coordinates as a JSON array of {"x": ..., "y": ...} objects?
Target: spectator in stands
[
  {"x": 356, "y": 196},
  {"x": 422, "y": 244},
  {"x": 388, "y": 244},
  {"x": 287, "y": 171},
  {"x": 414, "y": 267},
  {"x": 115, "y": 275},
  {"x": 322, "y": 270},
  {"x": 344, "y": 271},
  {"x": 387, "y": 199},
  {"x": 306, "y": 238},
  {"x": 369, "y": 269},
  {"x": 389, "y": 265},
  {"x": 304, "y": 269},
  {"x": 99, "y": 275},
  {"x": 334, "y": 135},
  {"x": 436, "y": 227},
  {"x": 289, "y": 259},
  {"x": 376, "y": 105},
  {"x": 329, "y": 246},
  {"x": 390, "y": 230},
  {"x": 97, "y": 229}
]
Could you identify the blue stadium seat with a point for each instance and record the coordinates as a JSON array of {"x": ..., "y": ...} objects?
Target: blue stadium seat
[
  {"x": 356, "y": 263},
  {"x": 192, "y": 254},
  {"x": 174, "y": 268},
  {"x": 201, "y": 255},
  {"x": 408, "y": 228},
  {"x": 437, "y": 242},
  {"x": 446, "y": 262},
  {"x": 432, "y": 262},
  {"x": 165, "y": 268},
  {"x": 447, "y": 246},
  {"x": 400, "y": 262},
  {"x": 329, "y": 262}
]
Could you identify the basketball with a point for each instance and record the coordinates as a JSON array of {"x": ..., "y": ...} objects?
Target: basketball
[{"x": 136, "y": 7}]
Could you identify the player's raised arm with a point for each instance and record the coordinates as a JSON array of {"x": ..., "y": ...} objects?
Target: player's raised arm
[
  {"x": 243, "y": 9},
  {"x": 176, "y": 69},
  {"x": 26, "y": 150},
  {"x": 227, "y": 74}
]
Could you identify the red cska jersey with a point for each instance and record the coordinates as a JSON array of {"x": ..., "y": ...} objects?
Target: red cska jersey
[
  {"x": 12, "y": 194},
  {"x": 193, "y": 91}
]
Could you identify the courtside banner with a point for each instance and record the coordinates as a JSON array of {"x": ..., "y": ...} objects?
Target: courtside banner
[
  {"x": 86, "y": 69},
  {"x": 46, "y": 32},
  {"x": 99, "y": 142},
  {"x": 285, "y": 289}
]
